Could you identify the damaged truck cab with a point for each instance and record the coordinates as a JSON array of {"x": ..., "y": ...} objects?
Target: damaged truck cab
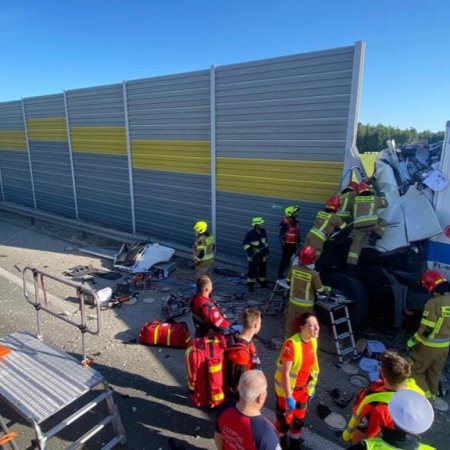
[{"x": 386, "y": 282}]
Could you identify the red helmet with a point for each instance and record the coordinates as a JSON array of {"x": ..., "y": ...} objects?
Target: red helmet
[
  {"x": 431, "y": 278},
  {"x": 334, "y": 202},
  {"x": 307, "y": 255},
  {"x": 353, "y": 185},
  {"x": 364, "y": 187}
]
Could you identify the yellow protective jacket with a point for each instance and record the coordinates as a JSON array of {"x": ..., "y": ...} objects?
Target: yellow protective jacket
[
  {"x": 365, "y": 210},
  {"x": 296, "y": 366},
  {"x": 204, "y": 247},
  {"x": 376, "y": 397},
  {"x": 434, "y": 328}
]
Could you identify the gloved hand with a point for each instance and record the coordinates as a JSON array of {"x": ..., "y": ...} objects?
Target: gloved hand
[
  {"x": 291, "y": 403},
  {"x": 236, "y": 328},
  {"x": 411, "y": 343}
]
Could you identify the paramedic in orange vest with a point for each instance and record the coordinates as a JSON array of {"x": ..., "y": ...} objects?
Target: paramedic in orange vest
[
  {"x": 370, "y": 412},
  {"x": 206, "y": 313},
  {"x": 304, "y": 283},
  {"x": 289, "y": 238},
  {"x": 295, "y": 381},
  {"x": 203, "y": 250},
  {"x": 240, "y": 355},
  {"x": 430, "y": 344},
  {"x": 325, "y": 223}
]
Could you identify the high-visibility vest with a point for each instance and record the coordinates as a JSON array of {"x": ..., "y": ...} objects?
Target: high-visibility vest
[
  {"x": 296, "y": 366},
  {"x": 378, "y": 397},
  {"x": 379, "y": 444},
  {"x": 291, "y": 235}
]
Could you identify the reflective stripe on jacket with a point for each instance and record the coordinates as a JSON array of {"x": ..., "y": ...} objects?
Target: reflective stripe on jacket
[
  {"x": 434, "y": 328},
  {"x": 379, "y": 444},
  {"x": 204, "y": 247},
  {"x": 377, "y": 397},
  {"x": 296, "y": 366}
]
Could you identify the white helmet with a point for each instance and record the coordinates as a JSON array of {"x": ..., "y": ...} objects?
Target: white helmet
[{"x": 411, "y": 411}]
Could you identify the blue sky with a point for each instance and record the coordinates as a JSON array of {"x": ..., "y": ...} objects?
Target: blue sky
[{"x": 49, "y": 46}]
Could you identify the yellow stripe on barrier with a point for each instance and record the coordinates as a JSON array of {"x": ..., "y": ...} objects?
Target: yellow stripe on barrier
[
  {"x": 103, "y": 140},
  {"x": 13, "y": 140},
  {"x": 47, "y": 129},
  {"x": 308, "y": 180},
  {"x": 172, "y": 156}
]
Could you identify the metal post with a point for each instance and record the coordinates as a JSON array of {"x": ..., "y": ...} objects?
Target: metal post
[
  {"x": 355, "y": 95},
  {"x": 130, "y": 160},
  {"x": 1, "y": 187},
  {"x": 212, "y": 110},
  {"x": 69, "y": 141},
  {"x": 29, "y": 154}
]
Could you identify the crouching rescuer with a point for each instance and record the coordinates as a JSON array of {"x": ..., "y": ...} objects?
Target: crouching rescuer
[{"x": 295, "y": 381}]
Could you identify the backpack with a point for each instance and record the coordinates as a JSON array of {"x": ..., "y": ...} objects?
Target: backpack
[
  {"x": 165, "y": 334},
  {"x": 204, "y": 365}
]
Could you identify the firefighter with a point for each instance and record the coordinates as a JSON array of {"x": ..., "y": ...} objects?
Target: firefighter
[
  {"x": 289, "y": 238},
  {"x": 412, "y": 415},
  {"x": 256, "y": 246},
  {"x": 430, "y": 344},
  {"x": 295, "y": 381},
  {"x": 325, "y": 223},
  {"x": 304, "y": 283},
  {"x": 203, "y": 249},
  {"x": 206, "y": 313},
  {"x": 347, "y": 197},
  {"x": 365, "y": 221},
  {"x": 370, "y": 412}
]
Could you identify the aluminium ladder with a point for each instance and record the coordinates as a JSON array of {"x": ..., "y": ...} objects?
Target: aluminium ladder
[
  {"x": 40, "y": 381},
  {"x": 341, "y": 326}
]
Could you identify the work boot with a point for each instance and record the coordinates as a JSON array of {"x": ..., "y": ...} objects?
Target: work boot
[
  {"x": 263, "y": 284},
  {"x": 251, "y": 287}
]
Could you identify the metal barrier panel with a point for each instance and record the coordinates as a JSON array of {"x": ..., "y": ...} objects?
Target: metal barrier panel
[
  {"x": 50, "y": 157},
  {"x": 98, "y": 138},
  {"x": 14, "y": 164},
  {"x": 169, "y": 132},
  {"x": 281, "y": 138}
]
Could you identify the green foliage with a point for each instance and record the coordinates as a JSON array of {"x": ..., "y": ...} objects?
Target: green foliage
[{"x": 372, "y": 138}]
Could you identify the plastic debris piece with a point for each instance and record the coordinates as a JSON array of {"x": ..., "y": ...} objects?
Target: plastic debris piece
[{"x": 335, "y": 421}]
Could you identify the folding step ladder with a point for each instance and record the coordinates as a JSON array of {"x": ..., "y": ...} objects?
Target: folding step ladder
[
  {"x": 341, "y": 326},
  {"x": 281, "y": 289},
  {"x": 40, "y": 381}
]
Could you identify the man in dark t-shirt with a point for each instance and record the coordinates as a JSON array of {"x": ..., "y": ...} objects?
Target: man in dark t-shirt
[{"x": 240, "y": 425}]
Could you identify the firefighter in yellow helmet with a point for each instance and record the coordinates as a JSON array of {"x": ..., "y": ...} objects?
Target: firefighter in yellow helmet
[
  {"x": 256, "y": 245},
  {"x": 430, "y": 344},
  {"x": 203, "y": 250}
]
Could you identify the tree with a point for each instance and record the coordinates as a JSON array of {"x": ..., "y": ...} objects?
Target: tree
[{"x": 372, "y": 138}]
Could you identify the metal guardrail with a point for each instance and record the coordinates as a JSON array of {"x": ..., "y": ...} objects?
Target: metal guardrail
[{"x": 82, "y": 291}]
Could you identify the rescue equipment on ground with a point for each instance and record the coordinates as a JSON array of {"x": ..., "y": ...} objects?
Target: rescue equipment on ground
[
  {"x": 165, "y": 334},
  {"x": 204, "y": 365}
]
